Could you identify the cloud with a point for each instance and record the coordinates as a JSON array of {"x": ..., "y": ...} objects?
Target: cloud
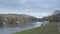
[
  {"x": 29, "y": 3},
  {"x": 36, "y": 7}
]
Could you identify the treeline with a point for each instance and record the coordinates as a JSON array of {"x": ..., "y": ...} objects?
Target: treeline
[
  {"x": 15, "y": 18},
  {"x": 55, "y": 17}
]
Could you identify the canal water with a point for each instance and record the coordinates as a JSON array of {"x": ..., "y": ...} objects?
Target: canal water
[{"x": 10, "y": 30}]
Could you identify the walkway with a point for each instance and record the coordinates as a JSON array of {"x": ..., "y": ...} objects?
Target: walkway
[{"x": 58, "y": 27}]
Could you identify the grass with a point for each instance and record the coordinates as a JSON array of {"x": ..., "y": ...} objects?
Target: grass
[{"x": 46, "y": 29}]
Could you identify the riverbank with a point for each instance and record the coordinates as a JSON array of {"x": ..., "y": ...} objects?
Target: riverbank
[{"x": 46, "y": 29}]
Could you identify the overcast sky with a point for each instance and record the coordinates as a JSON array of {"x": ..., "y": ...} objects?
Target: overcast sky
[{"x": 37, "y": 8}]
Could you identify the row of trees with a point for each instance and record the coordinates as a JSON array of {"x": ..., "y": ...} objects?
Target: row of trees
[
  {"x": 21, "y": 18},
  {"x": 13, "y": 18},
  {"x": 55, "y": 17}
]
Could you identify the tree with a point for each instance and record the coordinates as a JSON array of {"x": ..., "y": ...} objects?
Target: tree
[
  {"x": 1, "y": 21},
  {"x": 56, "y": 12},
  {"x": 56, "y": 15},
  {"x": 11, "y": 20}
]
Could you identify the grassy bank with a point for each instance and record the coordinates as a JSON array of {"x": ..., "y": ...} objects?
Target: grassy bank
[{"x": 47, "y": 29}]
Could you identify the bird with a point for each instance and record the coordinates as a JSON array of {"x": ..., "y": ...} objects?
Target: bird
[{"x": 17, "y": 28}]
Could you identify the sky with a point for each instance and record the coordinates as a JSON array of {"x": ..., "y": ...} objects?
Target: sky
[{"x": 36, "y": 8}]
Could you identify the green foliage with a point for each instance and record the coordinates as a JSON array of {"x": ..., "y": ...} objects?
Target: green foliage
[{"x": 11, "y": 19}]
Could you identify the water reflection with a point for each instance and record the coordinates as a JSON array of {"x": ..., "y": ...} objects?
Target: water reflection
[{"x": 9, "y": 30}]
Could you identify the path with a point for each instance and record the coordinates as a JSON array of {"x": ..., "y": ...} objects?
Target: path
[{"x": 58, "y": 27}]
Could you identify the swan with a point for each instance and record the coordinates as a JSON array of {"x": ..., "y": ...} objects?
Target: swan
[{"x": 17, "y": 28}]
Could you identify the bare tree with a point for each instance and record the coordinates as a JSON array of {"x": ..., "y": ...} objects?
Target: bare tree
[{"x": 1, "y": 20}]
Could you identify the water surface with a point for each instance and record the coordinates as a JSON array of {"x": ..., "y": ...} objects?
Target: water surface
[{"x": 10, "y": 30}]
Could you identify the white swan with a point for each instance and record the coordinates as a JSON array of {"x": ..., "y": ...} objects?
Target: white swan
[{"x": 17, "y": 28}]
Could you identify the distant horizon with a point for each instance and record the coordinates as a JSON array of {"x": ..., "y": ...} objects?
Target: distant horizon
[{"x": 29, "y": 15}]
